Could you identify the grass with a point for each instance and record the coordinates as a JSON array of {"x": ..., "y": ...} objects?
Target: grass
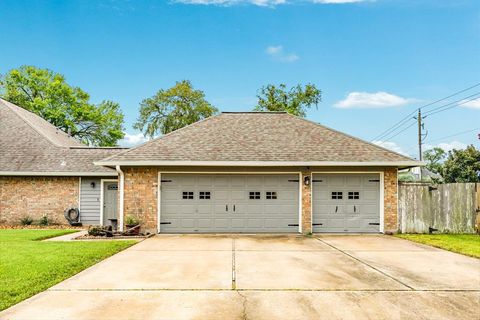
[
  {"x": 29, "y": 266},
  {"x": 467, "y": 244}
]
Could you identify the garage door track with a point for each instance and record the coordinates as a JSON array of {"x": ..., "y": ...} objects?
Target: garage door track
[{"x": 267, "y": 277}]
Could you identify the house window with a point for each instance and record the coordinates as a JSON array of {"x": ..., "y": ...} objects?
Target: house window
[
  {"x": 254, "y": 195},
  {"x": 353, "y": 195},
  {"x": 187, "y": 194},
  {"x": 271, "y": 195},
  {"x": 204, "y": 195},
  {"x": 336, "y": 195}
]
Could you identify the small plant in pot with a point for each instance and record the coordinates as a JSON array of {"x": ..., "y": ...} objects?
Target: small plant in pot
[{"x": 132, "y": 225}]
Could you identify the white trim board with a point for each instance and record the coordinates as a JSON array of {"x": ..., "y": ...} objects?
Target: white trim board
[{"x": 102, "y": 181}]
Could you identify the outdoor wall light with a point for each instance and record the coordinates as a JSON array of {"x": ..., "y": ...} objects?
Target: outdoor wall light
[
  {"x": 92, "y": 185},
  {"x": 306, "y": 180}
]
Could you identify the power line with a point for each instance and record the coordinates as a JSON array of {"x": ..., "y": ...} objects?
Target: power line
[
  {"x": 404, "y": 120},
  {"x": 453, "y": 135},
  {"x": 381, "y": 142},
  {"x": 438, "y": 109},
  {"x": 453, "y": 104}
]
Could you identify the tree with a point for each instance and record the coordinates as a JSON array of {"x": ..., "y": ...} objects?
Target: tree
[
  {"x": 295, "y": 101},
  {"x": 173, "y": 109},
  {"x": 48, "y": 95},
  {"x": 462, "y": 165},
  {"x": 434, "y": 158}
]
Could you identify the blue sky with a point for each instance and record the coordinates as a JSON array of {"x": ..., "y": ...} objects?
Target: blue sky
[{"x": 375, "y": 61}]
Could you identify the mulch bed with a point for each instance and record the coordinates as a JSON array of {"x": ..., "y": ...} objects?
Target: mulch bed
[{"x": 89, "y": 237}]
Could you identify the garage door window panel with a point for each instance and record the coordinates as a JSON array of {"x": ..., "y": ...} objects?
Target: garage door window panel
[
  {"x": 271, "y": 195},
  {"x": 254, "y": 195},
  {"x": 204, "y": 195},
  {"x": 337, "y": 195},
  {"x": 187, "y": 195}
]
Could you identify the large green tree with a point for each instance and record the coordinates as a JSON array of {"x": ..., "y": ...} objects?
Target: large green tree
[
  {"x": 295, "y": 100},
  {"x": 47, "y": 94},
  {"x": 434, "y": 158},
  {"x": 172, "y": 109},
  {"x": 462, "y": 165}
]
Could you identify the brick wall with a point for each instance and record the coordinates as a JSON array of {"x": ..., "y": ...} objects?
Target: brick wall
[
  {"x": 391, "y": 200},
  {"x": 140, "y": 196},
  {"x": 306, "y": 204},
  {"x": 35, "y": 197}
]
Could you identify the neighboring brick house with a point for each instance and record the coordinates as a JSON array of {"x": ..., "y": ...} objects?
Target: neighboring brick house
[
  {"x": 43, "y": 171},
  {"x": 259, "y": 172}
]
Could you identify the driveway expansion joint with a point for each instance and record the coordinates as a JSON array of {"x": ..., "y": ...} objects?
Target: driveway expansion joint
[{"x": 367, "y": 264}]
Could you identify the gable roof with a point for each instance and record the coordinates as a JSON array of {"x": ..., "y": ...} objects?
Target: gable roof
[
  {"x": 29, "y": 145},
  {"x": 257, "y": 138}
]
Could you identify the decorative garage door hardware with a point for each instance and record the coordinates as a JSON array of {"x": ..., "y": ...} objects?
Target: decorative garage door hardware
[
  {"x": 374, "y": 223},
  {"x": 293, "y": 225},
  {"x": 317, "y": 224},
  {"x": 374, "y": 180},
  {"x": 166, "y": 180},
  {"x": 165, "y": 223}
]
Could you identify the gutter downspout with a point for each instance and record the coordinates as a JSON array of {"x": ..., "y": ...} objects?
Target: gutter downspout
[{"x": 121, "y": 187}]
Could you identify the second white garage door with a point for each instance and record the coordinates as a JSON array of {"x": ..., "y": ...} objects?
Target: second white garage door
[
  {"x": 206, "y": 203},
  {"x": 346, "y": 203}
]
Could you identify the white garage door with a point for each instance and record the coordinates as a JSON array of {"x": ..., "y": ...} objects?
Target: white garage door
[
  {"x": 346, "y": 203},
  {"x": 229, "y": 203}
]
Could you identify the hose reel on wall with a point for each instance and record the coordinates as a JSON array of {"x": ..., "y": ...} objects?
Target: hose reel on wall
[{"x": 73, "y": 216}]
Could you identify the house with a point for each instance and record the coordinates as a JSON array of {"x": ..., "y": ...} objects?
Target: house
[
  {"x": 251, "y": 172},
  {"x": 259, "y": 172},
  {"x": 44, "y": 171}
]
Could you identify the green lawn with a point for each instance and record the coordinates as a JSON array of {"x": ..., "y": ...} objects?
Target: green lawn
[
  {"x": 467, "y": 244},
  {"x": 29, "y": 266}
]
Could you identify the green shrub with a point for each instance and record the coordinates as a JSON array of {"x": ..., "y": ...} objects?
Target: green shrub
[
  {"x": 131, "y": 220},
  {"x": 26, "y": 221},
  {"x": 44, "y": 221},
  {"x": 96, "y": 231}
]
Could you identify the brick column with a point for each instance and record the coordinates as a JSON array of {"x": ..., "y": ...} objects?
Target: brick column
[
  {"x": 140, "y": 196},
  {"x": 306, "y": 203},
  {"x": 390, "y": 200}
]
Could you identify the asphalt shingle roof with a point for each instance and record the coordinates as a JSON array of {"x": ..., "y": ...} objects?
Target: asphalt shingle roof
[
  {"x": 28, "y": 143},
  {"x": 251, "y": 136}
]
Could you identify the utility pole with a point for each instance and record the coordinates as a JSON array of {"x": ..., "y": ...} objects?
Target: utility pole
[{"x": 419, "y": 120}]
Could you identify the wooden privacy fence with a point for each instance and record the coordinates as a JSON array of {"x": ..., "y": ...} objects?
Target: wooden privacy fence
[{"x": 450, "y": 208}]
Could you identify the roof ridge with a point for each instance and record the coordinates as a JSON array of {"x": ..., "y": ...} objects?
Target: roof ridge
[
  {"x": 162, "y": 136},
  {"x": 265, "y": 112},
  {"x": 9, "y": 105},
  {"x": 350, "y": 136}
]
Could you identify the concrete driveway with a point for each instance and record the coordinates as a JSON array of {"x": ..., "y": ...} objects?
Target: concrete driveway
[{"x": 267, "y": 277}]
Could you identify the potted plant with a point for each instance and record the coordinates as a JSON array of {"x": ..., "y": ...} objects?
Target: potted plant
[{"x": 132, "y": 224}]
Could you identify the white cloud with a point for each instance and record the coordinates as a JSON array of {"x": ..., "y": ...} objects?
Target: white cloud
[
  {"x": 264, "y": 3},
  {"x": 277, "y": 53},
  {"x": 473, "y": 104},
  {"x": 447, "y": 146},
  {"x": 390, "y": 145},
  {"x": 372, "y": 100},
  {"x": 132, "y": 140}
]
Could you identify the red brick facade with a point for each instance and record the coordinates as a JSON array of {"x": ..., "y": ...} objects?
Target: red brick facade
[
  {"x": 306, "y": 203},
  {"x": 140, "y": 196},
  {"x": 35, "y": 197},
  {"x": 391, "y": 200}
]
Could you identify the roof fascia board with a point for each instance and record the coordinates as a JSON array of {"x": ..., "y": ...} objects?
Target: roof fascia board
[{"x": 264, "y": 163}]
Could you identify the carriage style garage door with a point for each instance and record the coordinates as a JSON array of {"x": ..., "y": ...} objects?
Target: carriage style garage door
[
  {"x": 229, "y": 203},
  {"x": 346, "y": 202}
]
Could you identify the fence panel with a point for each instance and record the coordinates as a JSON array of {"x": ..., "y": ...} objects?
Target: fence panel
[{"x": 447, "y": 207}]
